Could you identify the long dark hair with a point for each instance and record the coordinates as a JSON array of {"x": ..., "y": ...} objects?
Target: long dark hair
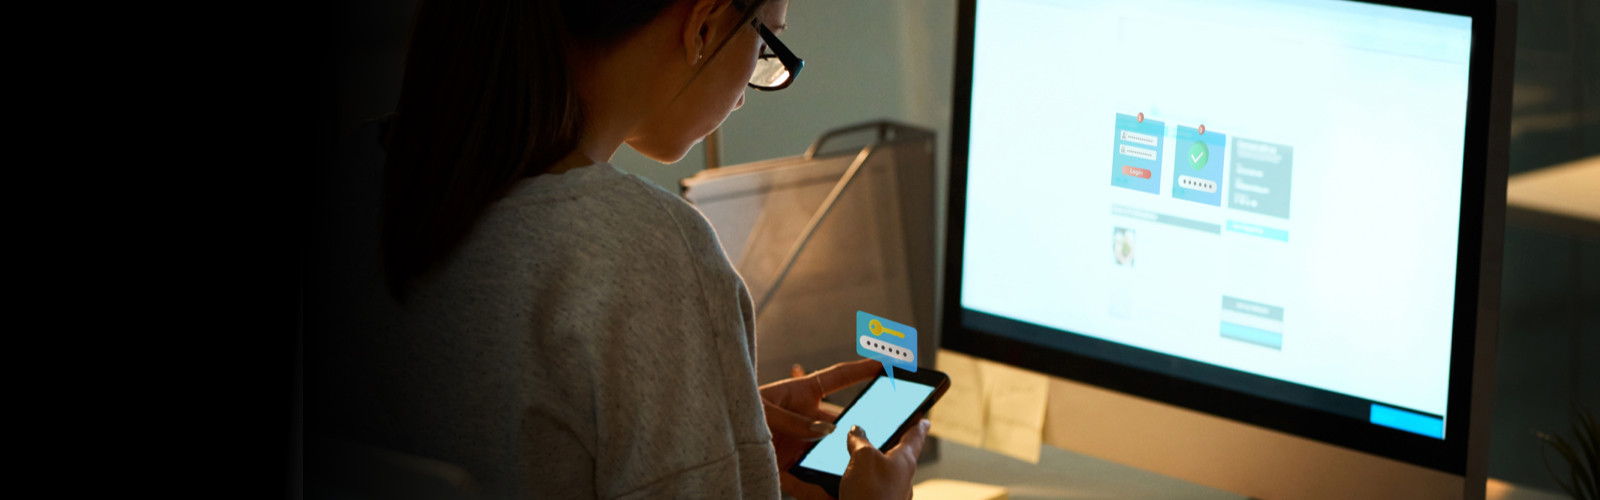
[{"x": 487, "y": 99}]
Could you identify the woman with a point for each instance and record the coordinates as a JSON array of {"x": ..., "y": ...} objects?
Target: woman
[{"x": 564, "y": 328}]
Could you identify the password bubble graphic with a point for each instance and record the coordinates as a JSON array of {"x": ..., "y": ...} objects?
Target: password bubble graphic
[{"x": 892, "y": 344}]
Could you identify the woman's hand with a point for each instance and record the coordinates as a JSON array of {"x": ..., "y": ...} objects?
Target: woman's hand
[
  {"x": 796, "y": 419},
  {"x": 877, "y": 475}
]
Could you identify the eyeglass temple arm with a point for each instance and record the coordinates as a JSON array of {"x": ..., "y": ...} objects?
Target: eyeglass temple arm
[{"x": 791, "y": 61}]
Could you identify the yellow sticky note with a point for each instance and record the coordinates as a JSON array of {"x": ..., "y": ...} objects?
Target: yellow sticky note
[
  {"x": 960, "y": 414},
  {"x": 1016, "y": 402}
]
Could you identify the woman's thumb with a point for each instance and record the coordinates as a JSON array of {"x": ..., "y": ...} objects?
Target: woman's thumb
[{"x": 857, "y": 440}]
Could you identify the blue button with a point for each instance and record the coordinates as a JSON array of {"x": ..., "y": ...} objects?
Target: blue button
[{"x": 1408, "y": 421}]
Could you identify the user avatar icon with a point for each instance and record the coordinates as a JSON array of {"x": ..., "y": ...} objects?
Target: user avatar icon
[{"x": 1122, "y": 246}]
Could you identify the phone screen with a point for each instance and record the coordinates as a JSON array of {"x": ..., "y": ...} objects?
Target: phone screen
[{"x": 879, "y": 411}]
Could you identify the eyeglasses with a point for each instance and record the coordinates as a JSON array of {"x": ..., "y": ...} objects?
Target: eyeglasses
[{"x": 777, "y": 66}]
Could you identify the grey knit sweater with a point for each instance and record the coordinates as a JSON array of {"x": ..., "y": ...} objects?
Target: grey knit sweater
[{"x": 589, "y": 339}]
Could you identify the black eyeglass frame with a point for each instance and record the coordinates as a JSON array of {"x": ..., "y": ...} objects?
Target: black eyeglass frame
[{"x": 791, "y": 62}]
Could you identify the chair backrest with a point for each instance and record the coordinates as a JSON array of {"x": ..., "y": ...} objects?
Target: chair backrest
[{"x": 349, "y": 470}]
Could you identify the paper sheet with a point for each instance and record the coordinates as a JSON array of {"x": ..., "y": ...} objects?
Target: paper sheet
[
  {"x": 991, "y": 406},
  {"x": 950, "y": 489},
  {"x": 1017, "y": 400},
  {"x": 960, "y": 414}
]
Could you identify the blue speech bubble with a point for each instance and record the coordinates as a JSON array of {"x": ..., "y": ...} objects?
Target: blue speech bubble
[{"x": 891, "y": 343}]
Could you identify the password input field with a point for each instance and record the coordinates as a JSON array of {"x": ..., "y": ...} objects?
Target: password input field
[{"x": 1137, "y": 152}]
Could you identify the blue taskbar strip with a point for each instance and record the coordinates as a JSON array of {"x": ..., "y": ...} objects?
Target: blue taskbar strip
[{"x": 1407, "y": 421}]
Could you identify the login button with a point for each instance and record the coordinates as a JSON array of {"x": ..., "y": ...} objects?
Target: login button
[{"x": 1135, "y": 172}]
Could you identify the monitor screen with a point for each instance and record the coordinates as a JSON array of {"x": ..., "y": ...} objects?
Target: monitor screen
[{"x": 1258, "y": 195}]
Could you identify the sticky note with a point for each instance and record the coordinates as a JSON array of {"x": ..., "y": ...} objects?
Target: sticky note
[
  {"x": 991, "y": 405},
  {"x": 960, "y": 415},
  {"x": 1016, "y": 402}
]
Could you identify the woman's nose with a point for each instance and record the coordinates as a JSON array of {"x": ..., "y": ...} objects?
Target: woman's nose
[{"x": 739, "y": 104}]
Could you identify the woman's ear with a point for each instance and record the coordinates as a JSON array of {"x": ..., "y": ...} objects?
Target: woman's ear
[{"x": 701, "y": 28}]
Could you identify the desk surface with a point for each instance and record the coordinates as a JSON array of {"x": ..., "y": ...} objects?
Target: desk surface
[
  {"x": 1562, "y": 196},
  {"x": 1059, "y": 474}
]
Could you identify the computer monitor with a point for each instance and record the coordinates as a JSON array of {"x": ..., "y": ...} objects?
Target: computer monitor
[{"x": 1270, "y": 228}]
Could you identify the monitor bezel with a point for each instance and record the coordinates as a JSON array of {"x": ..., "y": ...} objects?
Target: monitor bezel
[{"x": 1448, "y": 455}]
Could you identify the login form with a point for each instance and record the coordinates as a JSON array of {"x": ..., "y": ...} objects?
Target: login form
[{"x": 1136, "y": 153}]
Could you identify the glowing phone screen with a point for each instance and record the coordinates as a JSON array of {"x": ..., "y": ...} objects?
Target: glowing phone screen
[{"x": 879, "y": 412}]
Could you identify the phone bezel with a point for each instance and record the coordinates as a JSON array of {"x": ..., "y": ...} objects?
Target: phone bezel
[{"x": 926, "y": 376}]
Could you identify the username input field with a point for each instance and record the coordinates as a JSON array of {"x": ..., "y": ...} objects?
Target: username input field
[{"x": 1138, "y": 138}]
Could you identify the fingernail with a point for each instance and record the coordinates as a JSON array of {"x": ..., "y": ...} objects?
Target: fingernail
[
  {"x": 926, "y": 424},
  {"x": 856, "y": 429},
  {"x": 796, "y": 368},
  {"x": 821, "y": 427}
]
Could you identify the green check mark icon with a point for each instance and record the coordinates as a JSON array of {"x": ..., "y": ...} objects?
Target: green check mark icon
[{"x": 1198, "y": 155}]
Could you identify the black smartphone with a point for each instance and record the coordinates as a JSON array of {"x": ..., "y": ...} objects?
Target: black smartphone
[{"x": 885, "y": 410}]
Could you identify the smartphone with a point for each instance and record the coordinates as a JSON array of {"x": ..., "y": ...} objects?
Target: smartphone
[{"x": 885, "y": 410}]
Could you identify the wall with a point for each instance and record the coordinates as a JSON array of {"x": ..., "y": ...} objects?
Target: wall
[
  {"x": 1550, "y": 321},
  {"x": 865, "y": 60}
]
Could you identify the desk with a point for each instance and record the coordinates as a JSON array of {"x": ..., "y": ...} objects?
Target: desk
[
  {"x": 1562, "y": 197},
  {"x": 1062, "y": 474}
]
